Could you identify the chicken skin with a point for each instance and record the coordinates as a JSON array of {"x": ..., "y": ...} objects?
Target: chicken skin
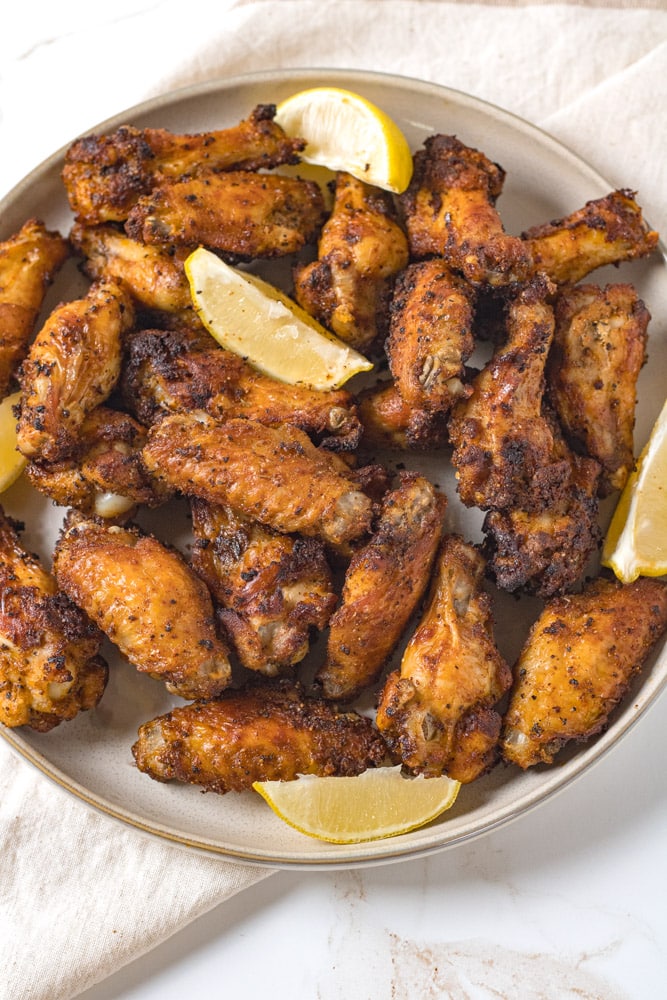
[
  {"x": 243, "y": 215},
  {"x": 598, "y": 350},
  {"x": 384, "y": 584},
  {"x": 449, "y": 211},
  {"x": 147, "y": 600},
  {"x": 430, "y": 336},
  {"x": 271, "y": 589},
  {"x": 438, "y": 713},
  {"x": 361, "y": 249},
  {"x": 273, "y": 475},
  {"x": 266, "y": 731},
  {"x": 388, "y": 421},
  {"x": 104, "y": 175},
  {"x": 577, "y": 664},
  {"x": 72, "y": 367},
  {"x": 29, "y": 261},
  {"x": 50, "y": 667}
]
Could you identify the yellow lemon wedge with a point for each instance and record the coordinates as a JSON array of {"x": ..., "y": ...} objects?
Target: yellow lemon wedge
[
  {"x": 12, "y": 462},
  {"x": 636, "y": 542},
  {"x": 252, "y": 318},
  {"x": 344, "y": 131},
  {"x": 375, "y": 804}
]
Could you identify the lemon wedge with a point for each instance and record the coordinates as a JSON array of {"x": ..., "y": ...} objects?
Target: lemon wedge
[
  {"x": 636, "y": 542},
  {"x": 375, "y": 804},
  {"x": 252, "y": 318},
  {"x": 12, "y": 462},
  {"x": 344, "y": 131}
]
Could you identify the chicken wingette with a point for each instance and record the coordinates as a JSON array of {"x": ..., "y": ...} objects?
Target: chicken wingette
[
  {"x": 439, "y": 712},
  {"x": 577, "y": 663},
  {"x": 388, "y": 421},
  {"x": 50, "y": 664},
  {"x": 147, "y": 600}
]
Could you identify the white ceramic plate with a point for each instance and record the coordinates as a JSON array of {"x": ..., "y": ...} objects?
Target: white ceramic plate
[{"x": 90, "y": 757}]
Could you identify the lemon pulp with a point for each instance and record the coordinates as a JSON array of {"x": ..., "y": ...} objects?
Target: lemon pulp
[{"x": 12, "y": 462}]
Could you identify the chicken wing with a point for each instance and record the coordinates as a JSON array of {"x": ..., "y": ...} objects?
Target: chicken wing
[
  {"x": 147, "y": 600},
  {"x": 384, "y": 583},
  {"x": 449, "y": 211},
  {"x": 104, "y": 175},
  {"x": 29, "y": 261},
  {"x": 598, "y": 350},
  {"x": 242, "y": 214},
  {"x": 438, "y": 713},
  {"x": 264, "y": 732},
  {"x": 577, "y": 663},
  {"x": 274, "y": 475},
  {"x": 388, "y": 421},
  {"x": 361, "y": 249},
  {"x": 271, "y": 589},
  {"x": 50, "y": 667},
  {"x": 72, "y": 367}
]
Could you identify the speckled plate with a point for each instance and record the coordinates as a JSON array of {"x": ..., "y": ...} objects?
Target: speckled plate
[{"x": 90, "y": 757}]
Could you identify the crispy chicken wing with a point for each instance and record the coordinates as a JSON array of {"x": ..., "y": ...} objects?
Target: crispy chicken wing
[
  {"x": 438, "y": 713},
  {"x": 271, "y": 588},
  {"x": 384, "y": 584},
  {"x": 72, "y": 367},
  {"x": 104, "y": 175},
  {"x": 361, "y": 249},
  {"x": 50, "y": 667},
  {"x": 577, "y": 663},
  {"x": 147, "y": 600},
  {"x": 274, "y": 475},
  {"x": 388, "y": 421},
  {"x": 238, "y": 213},
  {"x": 598, "y": 350},
  {"x": 29, "y": 261},
  {"x": 265, "y": 732},
  {"x": 449, "y": 211}
]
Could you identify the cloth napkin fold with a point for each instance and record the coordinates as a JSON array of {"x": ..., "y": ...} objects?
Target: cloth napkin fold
[{"x": 81, "y": 895}]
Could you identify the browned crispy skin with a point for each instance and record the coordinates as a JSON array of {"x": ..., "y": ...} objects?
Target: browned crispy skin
[
  {"x": 384, "y": 584},
  {"x": 147, "y": 600},
  {"x": 238, "y": 213},
  {"x": 273, "y": 475},
  {"x": 438, "y": 713},
  {"x": 430, "y": 336},
  {"x": 389, "y": 422},
  {"x": 577, "y": 663},
  {"x": 50, "y": 667},
  {"x": 104, "y": 175},
  {"x": 72, "y": 367},
  {"x": 361, "y": 249},
  {"x": 266, "y": 731},
  {"x": 104, "y": 477},
  {"x": 183, "y": 370},
  {"x": 449, "y": 211},
  {"x": 271, "y": 588},
  {"x": 605, "y": 231},
  {"x": 598, "y": 350},
  {"x": 505, "y": 445}
]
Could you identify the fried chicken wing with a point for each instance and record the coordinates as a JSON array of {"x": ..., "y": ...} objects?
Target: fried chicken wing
[
  {"x": 439, "y": 713},
  {"x": 605, "y": 231},
  {"x": 274, "y": 475},
  {"x": 50, "y": 667},
  {"x": 388, "y": 421},
  {"x": 147, "y": 600},
  {"x": 29, "y": 261},
  {"x": 104, "y": 175},
  {"x": 72, "y": 367},
  {"x": 263, "y": 732},
  {"x": 384, "y": 584},
  {"x": 449, "y": 211},
  {"x": 361, "y": 249},
  {"x": 238, "y": 213},
  {"x": 598, "y": 350},
  {"x": 577, "y": 663},
  {"x": 271, "y": 589},
  {"x": 430, "y": 336}
]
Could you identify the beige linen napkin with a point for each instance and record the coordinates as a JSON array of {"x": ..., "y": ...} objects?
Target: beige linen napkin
[{"x": 79, "y": 894}]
